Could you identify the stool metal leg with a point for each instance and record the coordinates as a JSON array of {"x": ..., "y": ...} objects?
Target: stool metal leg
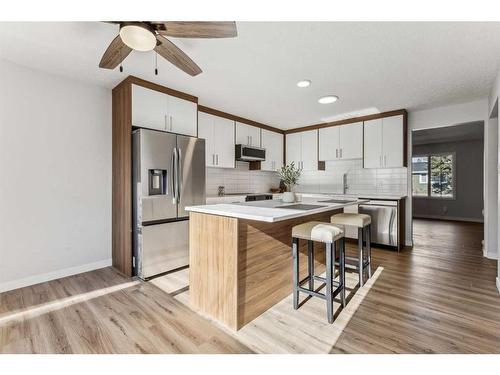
[
  {"x": 369, "y": 249},
  {"x": 342, "y": 272},
  {"x": 295, "y": 253},
  {"x": 310, "y": 256},
  {"x": 360, "y": 256},
  {"x": 329, "y": 281}
]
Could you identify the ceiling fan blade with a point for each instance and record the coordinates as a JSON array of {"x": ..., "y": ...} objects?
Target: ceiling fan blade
[
  {"x": 180, "y": 29},
  {"x": 115, "y": 54},
  {"x": 174, "y": 54}
]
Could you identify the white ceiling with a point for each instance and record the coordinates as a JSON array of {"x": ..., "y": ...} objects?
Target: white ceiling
[
  {"x": 471, "y": 131},
  {"x": 372, "y": 67}
]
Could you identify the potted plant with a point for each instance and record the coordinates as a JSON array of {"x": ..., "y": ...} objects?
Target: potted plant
[{"x": 290, "y": 175}]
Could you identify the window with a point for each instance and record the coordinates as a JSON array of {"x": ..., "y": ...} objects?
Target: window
[{"x": 433, "y": 175}]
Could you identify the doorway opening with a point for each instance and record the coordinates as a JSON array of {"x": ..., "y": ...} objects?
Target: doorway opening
[{"x": 448, "y": 173}]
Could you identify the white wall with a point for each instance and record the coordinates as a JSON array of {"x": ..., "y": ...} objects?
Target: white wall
[
  {"x": 55, "y": 176},
  {"x": 492, "y": 104},
  {"x": 449, "y": 115},
  {"x": 491, "y": 188}
]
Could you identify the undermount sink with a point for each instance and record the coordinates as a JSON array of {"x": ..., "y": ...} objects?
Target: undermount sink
[
  {"x": 300, "y": 206},
  {"x": 339, "y": 201}
]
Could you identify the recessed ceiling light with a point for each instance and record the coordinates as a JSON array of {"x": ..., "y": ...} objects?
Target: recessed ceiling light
[
  {"x": 328, "y": 99},
  {"x": 304, "y": 83}
]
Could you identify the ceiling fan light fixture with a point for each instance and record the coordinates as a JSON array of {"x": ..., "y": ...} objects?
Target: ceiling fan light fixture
[{"x": 138, "y": 37}]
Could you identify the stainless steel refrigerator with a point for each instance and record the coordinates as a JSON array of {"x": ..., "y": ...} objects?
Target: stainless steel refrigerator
[{"x": 168, "y": 173}]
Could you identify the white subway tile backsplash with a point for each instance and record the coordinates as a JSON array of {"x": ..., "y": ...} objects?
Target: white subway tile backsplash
[
  {"x": 359, "y": 180},
  {"x": 240, "y": 180}
]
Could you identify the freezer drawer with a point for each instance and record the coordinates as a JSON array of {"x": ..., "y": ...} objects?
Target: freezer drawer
[{"x": 163, "y": 247}]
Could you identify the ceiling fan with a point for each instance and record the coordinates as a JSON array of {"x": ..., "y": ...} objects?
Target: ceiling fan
[{"x": 150, "y": 35}]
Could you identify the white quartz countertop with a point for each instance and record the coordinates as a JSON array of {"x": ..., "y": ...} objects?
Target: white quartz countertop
[
  {"x": 271, "y": 210},
  {"x": 354, "y": 196}
]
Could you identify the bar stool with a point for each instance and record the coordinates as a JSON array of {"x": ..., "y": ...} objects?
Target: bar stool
[
  {"x": 333, "y": 238},
  {"x": 363, "y": 223}
]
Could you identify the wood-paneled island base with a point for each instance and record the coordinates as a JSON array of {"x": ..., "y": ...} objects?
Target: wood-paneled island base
[{"x": 240, "y": 268}]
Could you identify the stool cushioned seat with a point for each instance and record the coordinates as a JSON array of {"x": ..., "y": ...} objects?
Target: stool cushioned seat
[
  {"x": 351, "y": 219},
  {"x": 318, "y": 231}
]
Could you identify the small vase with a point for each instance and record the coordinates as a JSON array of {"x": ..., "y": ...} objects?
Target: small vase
[{"x": 288, "y": 197}]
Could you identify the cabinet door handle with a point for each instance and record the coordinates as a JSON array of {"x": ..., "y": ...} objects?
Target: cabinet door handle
[
  {"x": 341, "y": 153},
  {"x": 165, "y": 121},
  {"x": 336, "y": 152},
  {"x": 213, "y": 159},
  {"x": 217, "y": 158},
  {"x": 385, "y": 160},
  {"x": 170, "y": 123}
]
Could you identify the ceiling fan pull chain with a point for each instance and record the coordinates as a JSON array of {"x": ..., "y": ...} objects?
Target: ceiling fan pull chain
[
  {"x": 121, "y": 59},
  {"x": 156, "y": 64}
]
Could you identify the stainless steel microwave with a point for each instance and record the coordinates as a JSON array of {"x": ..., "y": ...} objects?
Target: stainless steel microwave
[{"x": 250, "y": 153}]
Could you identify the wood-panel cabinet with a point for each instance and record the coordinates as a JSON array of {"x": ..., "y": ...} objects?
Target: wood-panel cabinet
[
  {"x": 247, "y": 135},
  {"x": 341, "y": 142},
  {"x": 156, "y": 110},
  {"x": 218, "y": 133},
  {"x": 302, "y": 149},
  {"x": 273, "y": 143},
  {"x": 384, "y": 143}
]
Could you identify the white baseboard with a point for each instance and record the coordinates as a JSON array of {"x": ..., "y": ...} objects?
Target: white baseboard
[
  {"x": 37, "y": 279},
  {"x": 490, "y": 255},
  {"x": 498, "y": 284},
  {"x": 453, "y": 218}
]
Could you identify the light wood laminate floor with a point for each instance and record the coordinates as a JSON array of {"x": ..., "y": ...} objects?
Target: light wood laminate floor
[{"x": 439, "y": 297}]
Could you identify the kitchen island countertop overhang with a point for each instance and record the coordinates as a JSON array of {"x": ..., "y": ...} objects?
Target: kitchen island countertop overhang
[{"x": 273, "y": 210}]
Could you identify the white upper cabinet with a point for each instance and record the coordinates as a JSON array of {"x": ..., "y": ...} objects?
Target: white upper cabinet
[
  {"x": 351, "y": 141},
  {"x": 341, "y": 142},
  {"x": 384, "y": 143},
  {"x": 372, "y": 155},
  {"x": 218, "y": 133},
  {"x": 149, "y": 108},
  {"x": 273, "y": 143},
  {"x": 224, "y": 142},
  {"x": 182, "y": 116},
  {"x": 329, "y": 143},
  {"x": 156, "y": 110},
  {"x": 247, "y": 135},
  {"x": 206, "y": 131},
  {"x": 294, "y": 149},
  {"x": 302, "y": 149},
  {"x": 310, "y": 150},
  {"x": 392, "y": 141}
]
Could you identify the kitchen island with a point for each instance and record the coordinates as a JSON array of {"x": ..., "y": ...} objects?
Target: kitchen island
[{"x": 240, "y": 257}]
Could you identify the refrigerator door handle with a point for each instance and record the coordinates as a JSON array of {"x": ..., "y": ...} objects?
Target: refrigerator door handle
[
  {"x": 179, "y": 174},
  {"x": 174, "y": 178}
]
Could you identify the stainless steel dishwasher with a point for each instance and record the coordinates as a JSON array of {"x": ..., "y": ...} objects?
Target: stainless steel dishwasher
[{"x": 384, "y": 227}]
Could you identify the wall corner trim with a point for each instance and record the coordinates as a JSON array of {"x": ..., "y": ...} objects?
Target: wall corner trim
[
  {"x": 41, "y": 278},
  {"x": 498, "y": 284}
]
